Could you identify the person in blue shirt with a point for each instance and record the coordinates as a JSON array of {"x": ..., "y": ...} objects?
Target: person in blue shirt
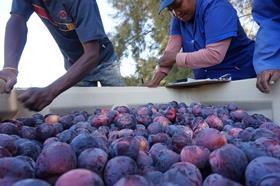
[
  {"x": 77, "y": 28},
  {"x": 207, "y": 37},
  {"x": 267, "y": 52}
]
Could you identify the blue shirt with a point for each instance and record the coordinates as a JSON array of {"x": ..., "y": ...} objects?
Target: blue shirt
[
  {"x": 71, "y": 23},
  {"x": 216, "y": 20},
  {"x": 267, "y": 52}
]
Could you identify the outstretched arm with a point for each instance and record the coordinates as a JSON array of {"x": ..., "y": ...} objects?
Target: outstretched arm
[
  {"x": 15, "y": 40},
  {"x": 267, "y": 49},
  {"x": 174, "y": 46},
  {"x": 38, "y": 98}
]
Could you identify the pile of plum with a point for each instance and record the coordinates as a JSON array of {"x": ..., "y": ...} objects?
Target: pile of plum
[{"x": 171, "y": 144}]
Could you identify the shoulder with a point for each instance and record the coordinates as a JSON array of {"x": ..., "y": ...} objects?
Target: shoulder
[
  {"x": 76, "y": 2},
  {"x": 206, "y": 4},
  {"x": 21, "y": 2}
]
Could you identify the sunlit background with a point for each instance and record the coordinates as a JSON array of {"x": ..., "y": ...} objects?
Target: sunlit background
[{"x": 41, "y": 62}]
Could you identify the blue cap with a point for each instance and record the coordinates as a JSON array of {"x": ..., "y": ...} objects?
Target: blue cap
[{"x": 164, "y": 4}]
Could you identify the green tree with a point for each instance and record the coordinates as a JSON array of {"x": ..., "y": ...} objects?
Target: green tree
[
  {"x": 244, "y": 10},
  {"x": 142, "y": 34}
]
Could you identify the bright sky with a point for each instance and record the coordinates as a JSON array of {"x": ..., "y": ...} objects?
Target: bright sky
[{"x": 42, "y": 62}]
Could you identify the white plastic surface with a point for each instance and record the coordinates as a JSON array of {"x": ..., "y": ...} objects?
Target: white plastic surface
[{"x": 243, "y": 93}]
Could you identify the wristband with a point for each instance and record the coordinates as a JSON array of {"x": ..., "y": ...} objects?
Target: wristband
[
  {"x": 11, "y": 69},
  {"x": 163, "y": 72}
]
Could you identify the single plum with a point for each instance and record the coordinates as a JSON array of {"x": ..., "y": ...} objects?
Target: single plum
[
  {"x": 31, "y": 182},
  {"x": 259, "y": 168},
  {"x": 154, "y": 177},
  {"x": 162, "y": 120},
  {"x": 134, "y": 180},
  {"x": 67, "y": 136},
  {"x": 165, "y": 159},
  {"x": 179, "y": 141},
  {"x": 160, "y": 138},
  {"x": 155, "y": 128},
  {"x": 45, "y": 131},
  {"x": 238, "y": 115},
  {"x": 125, "y": 121},
  {"x": 210, "y": 138},
  {"x": 28, "y": 148},
  {"x": 218, "y": 180},
  {"x": 28, "y": 132},
  {"x": 214, "y": 122},
  {"x": 66, "y": 121},
  {"x": 52, "y": 119},
  {"x": 183, "y": 173},
  {"x": 19, "y": 167},
  {"x": 8, "y": 143},
  {"x": 93, "y": 159},
  {"x": 197, "y": 155},
  {"x": 229, "y": 161},
  {"x": 8, "y": 128},
  {"x": 79, "y": 177},
  {"x": 144, "y": 162},
  {"x": 272, "y": 179},
  {"x": 55, "y": 159},
  {"x": 118, "y": 167},
  {"x": 82, "y": 142}
]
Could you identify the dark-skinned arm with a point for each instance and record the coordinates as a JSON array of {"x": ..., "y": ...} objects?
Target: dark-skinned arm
[
  {"x": 15, "y": 40},
  {"x": 79, "y": 69},
  {"x": 38, "y": 98}
]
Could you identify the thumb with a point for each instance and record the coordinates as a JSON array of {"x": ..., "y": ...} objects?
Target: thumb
[
  {"x": 274, "y": 77},
  {"x": 9, "y": 85},
  {"x": 151, "y": 84}
]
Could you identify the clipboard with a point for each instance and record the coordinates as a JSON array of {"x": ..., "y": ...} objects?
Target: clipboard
[{"x": 188, "y": 82}]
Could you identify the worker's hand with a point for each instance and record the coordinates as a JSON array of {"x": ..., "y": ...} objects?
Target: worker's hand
[
  {"x": 36, "y": 99},
  {"x": 152, "y": 84},
  {"x": 156, "y": 80},
  {"x": 10, "y": 78},
  {"x": 267, "y": 79},
  {"x": 168, "y": 59}
]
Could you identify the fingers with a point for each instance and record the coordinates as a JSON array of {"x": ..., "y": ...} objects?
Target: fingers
[
  {"x": 35, "y": 99},
  {"x": 28, "y": 99},
  {"x": 25, "y": 95},
  {"x": 10, "y": 78},
  {"x": 151, "y": 85},
  {"x": 274, "y": 77},
  {"x": 258, "y": 84},
  {"x": 31, "y": 103},
  {"x": 267, "y": 79},
  {"x": 40, "y": 107},
  {"x": 41, "y": 104},
  {"x": 263, "y": 82},
  {"x": 9, "y": 85}
]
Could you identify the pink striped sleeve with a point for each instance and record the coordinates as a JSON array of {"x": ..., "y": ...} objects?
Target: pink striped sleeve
[
  {"x": 212, "y": 55},
  {"x": 174, "y": 45}
]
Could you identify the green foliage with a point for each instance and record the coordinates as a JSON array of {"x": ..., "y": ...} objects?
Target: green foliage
[
  {"x": 145, "y": 69},
  {"x": 143, "y": 35},
  {"x": 244, "y": 10}
]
